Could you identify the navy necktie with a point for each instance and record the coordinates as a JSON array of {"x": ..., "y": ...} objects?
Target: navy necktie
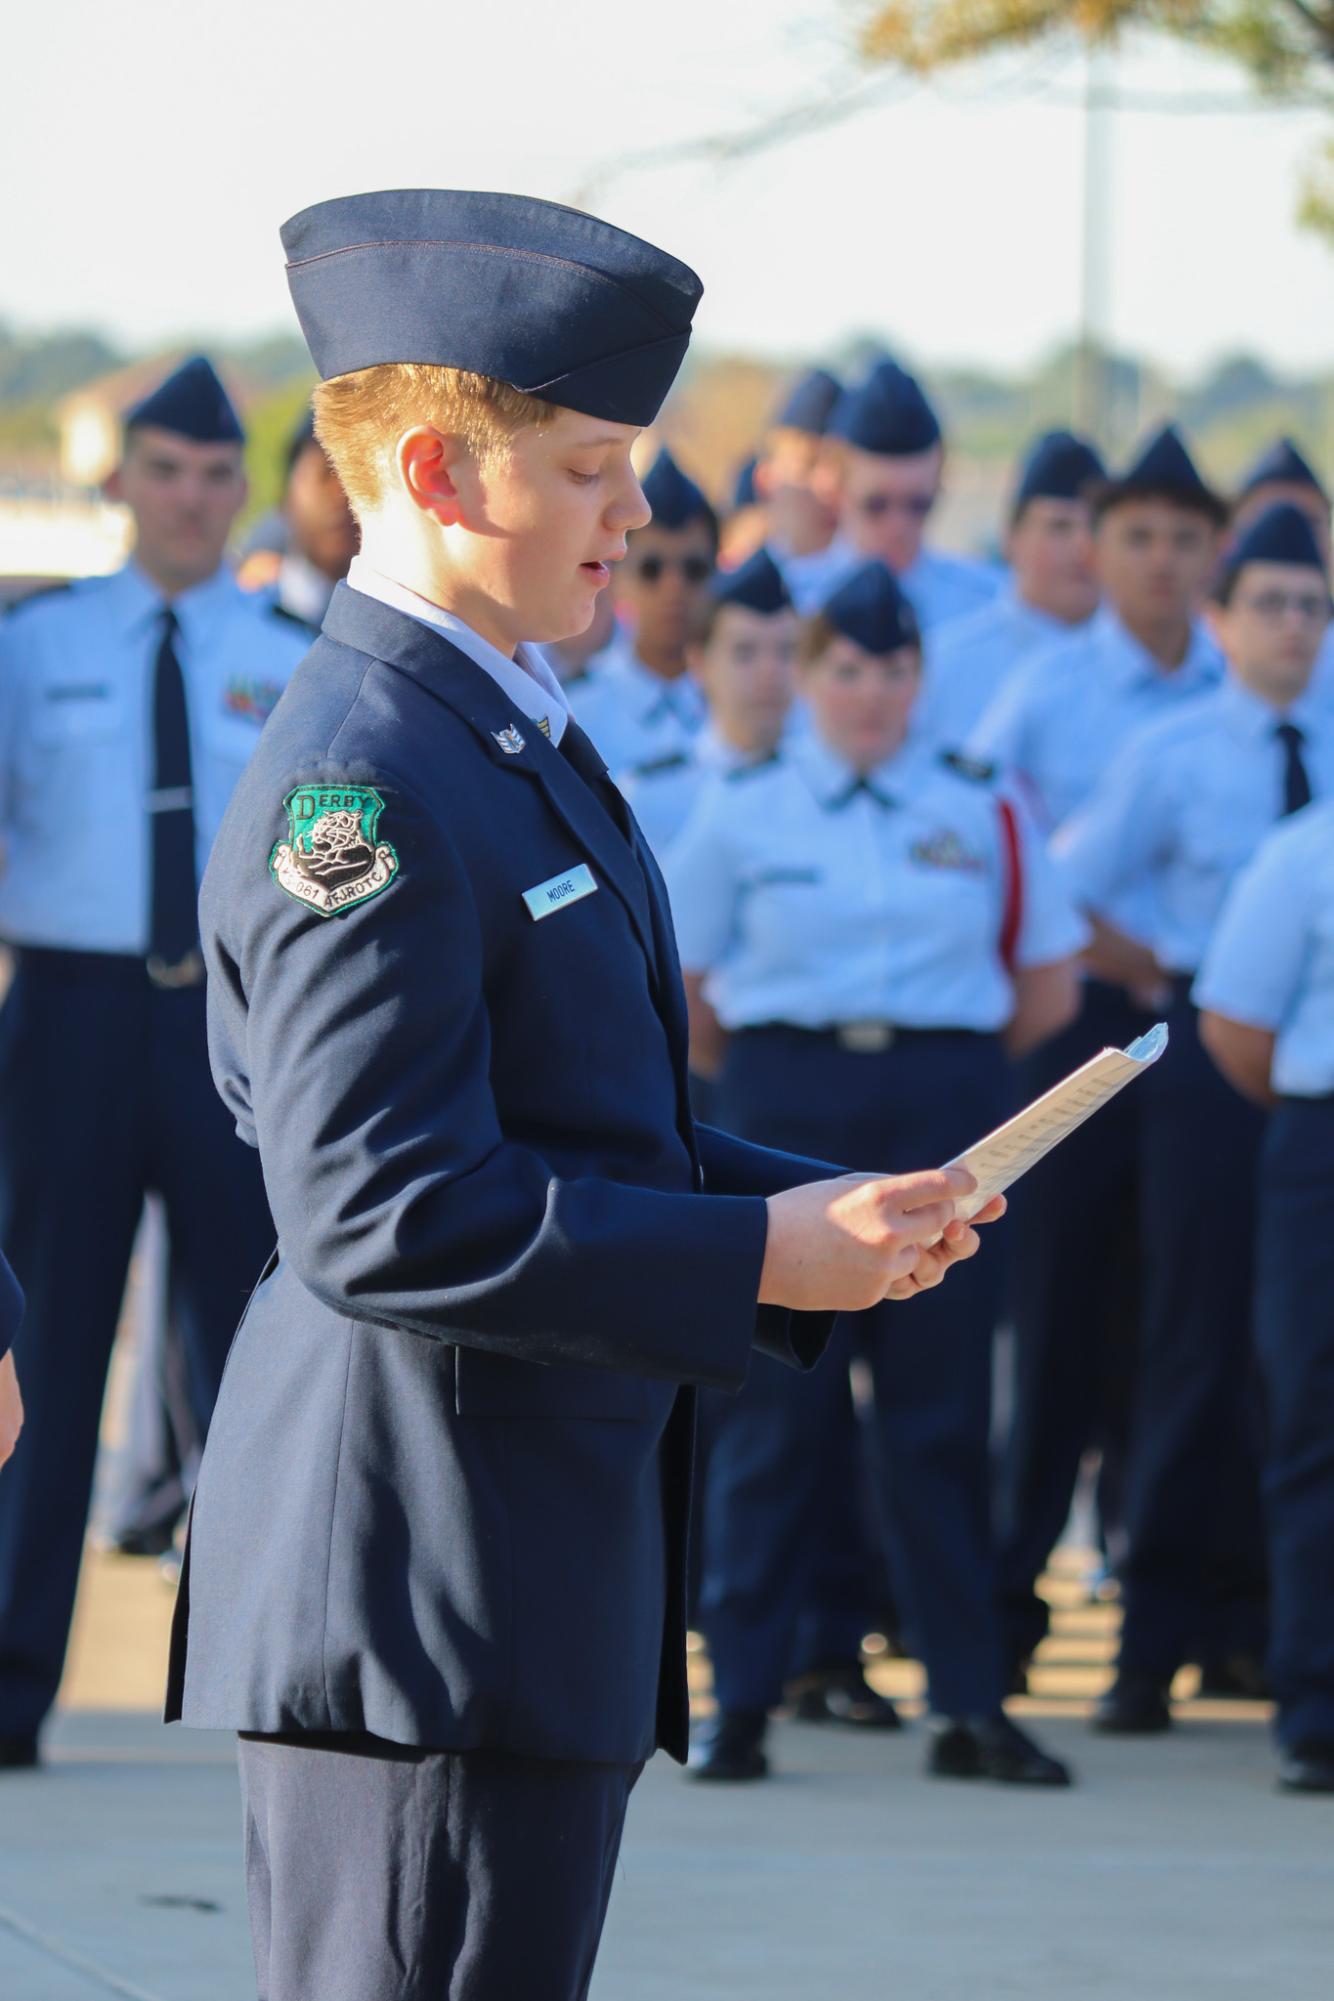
[
  {"x": 173, "y": 925},
  {"x": 578, "y": 750},
  {"x": 1296, "y": 782}
]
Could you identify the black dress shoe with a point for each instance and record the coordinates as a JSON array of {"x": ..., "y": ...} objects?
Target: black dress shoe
[
  {"x": 1134, "y": 1706},
  {"x": 990, "y": 1747},
  {"x": 842, "y": 1695},
  {"x": 1238, "y": 1678},
  {"x": 730, "y": 1746},
  {"x": 1308, "y": 1767},
  {"x": 18, "y": 1754}
]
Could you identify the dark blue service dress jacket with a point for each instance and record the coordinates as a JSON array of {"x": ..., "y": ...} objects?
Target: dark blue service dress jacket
[{"x": 445, "y": 1490}]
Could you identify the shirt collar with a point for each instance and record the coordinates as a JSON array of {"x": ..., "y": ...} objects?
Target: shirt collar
[
  {"x": 527, "y": 679},
  {"x": 136, "y": 602},
  {"x": 830, "y": 776},
  {"x": 1131, "y": 665},
  {"x": 1251, "y": 716},
  {"x": 650, "y": 695}
]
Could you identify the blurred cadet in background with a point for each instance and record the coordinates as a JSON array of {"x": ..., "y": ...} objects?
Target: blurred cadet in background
[
  {"x": 1266, "y": 992},
  {"x": 747, "y": 526},
  {"x": 1074, "y": 1261},
  {"x": 1181, "y": 809},
  {"x": 793, "y": 478},
  {"x": 861, "y": 922},
  {"x": 742, "y": 656},
  {"x": 129, "y": 706},
  {"x": 316, "y": 536},
  {"x": 1283, "y": 473},
  {"x": 1051, "y": 592},
  {"x": 636, "y": 698},
  {"x": 887, "y": 454}
]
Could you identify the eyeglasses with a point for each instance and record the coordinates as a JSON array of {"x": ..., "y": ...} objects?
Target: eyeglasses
[
  {"x": 916, "y": 505},
  {"x": 1312, "y": 606},
  {"x": 650, "y": 569}
]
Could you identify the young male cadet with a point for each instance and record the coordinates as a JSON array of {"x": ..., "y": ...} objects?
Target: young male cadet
[
  {"x": 1266, "y": 994},
  {"x": 1283, "y": 473},
  {"x": 888, "y": 457},
  {"x": 743, "y": 658},
  {"x": 321, "y": 533},
  {"x": 1051, "y": 593},
  {"x": 434, "y": 1571},
  {"x": 637, "y": 700},
  {"x": 1180, "y": 811},
  {"x": 125, "y": 722},
  {"x": 792, "y": 478},
  {"x": 1058, "y": 721}
]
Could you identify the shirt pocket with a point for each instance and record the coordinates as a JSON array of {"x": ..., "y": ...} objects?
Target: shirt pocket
[
  {"x": 491, "y": 1385},
  {"x": 77, "y": 709}
]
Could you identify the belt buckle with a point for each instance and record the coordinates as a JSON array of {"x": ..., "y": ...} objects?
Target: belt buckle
[
  {"x": 866, "y": 1038},
  {"x": 186, "y": 972}
]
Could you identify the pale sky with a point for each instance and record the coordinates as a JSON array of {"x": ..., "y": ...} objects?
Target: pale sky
[{"x": 149, "y": 151}]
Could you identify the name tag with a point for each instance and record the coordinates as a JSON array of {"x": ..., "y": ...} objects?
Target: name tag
[{"x": 561, "y": 889}]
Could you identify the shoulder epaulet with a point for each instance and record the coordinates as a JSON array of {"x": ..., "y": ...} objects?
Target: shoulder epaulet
[
  {"x": 290, "y": 617},
  {"x": 42, "y": 595},
  {"x": 577, "y": 680},
  {"x": 976, "y": 769},
  {"x": 673, "y": 760},
  {"x": 749, "y": 770}
]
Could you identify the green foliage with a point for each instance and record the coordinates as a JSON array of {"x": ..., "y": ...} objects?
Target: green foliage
[{"x": 269, "y": 425}]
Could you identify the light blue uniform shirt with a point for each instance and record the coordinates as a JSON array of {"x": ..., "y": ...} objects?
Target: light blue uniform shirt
[
  {"x": 1062, "y": 716},
  {"x": 1270, "y": 962},
  {"x": 663, "y": 791},
  {"x": 1322, "y": 681},
  {"x": 630, "y": 712},
  {"x": 802, "y": 910},
  {"x": 939, "y": 587},
  {"x": 970, "y": 659},
  {"x": 1184, "y": 805},
  {"x": 76, "y": 743}
]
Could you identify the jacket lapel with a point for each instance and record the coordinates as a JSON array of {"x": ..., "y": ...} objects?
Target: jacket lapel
[{"x": 513, "y": 742}]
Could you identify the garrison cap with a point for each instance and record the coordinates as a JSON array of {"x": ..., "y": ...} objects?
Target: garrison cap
[
  {"x": 887, "y": 414},
  {"x": 809, "y": 403},
  {"x": 303, "y": 434},
  {"x": 871, "y": 609},
  {"x": 1282, "y": 534},
  {"x": 543, "y": 297},
  {"x": 1164, "y": 470},
  {"x": 1282, "y": 465},
  {"x": 674, "y": 498},
  {"x": 757, "y": 585},
  {"x": 193, "y": 404},
  {"x": 1059, "y": 466}
]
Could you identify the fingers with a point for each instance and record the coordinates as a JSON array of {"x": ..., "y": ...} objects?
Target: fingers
[{"x": 910, "y": 1193}]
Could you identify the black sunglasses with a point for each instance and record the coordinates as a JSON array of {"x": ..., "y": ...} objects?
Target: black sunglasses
[{"x": 695, "y": 569}]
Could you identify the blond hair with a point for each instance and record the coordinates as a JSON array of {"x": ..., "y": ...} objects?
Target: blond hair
[{"x": 360, "y": 417}]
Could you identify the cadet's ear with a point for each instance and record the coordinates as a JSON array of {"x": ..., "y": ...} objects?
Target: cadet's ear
[{"x": 428, "y": 463}]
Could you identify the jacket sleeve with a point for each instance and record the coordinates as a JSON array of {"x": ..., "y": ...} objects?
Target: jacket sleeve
[
  {"x": 398, "y": 1198},
  {"x": 736, "y": 1167}
]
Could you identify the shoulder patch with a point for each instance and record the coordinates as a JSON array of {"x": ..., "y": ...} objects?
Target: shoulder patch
[
  {"x": 749, "y": 770},
  {"x": 276, "y": 610},
  {"x": 331, "y": 859},
  {"x": 673, "y": 760},
  {"x": 975, "y": 769}
]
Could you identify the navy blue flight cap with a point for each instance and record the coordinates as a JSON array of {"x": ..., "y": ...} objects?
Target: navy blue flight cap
[
  {"x": 550, "y": 300},
  {"x": 193, "y": 404},
  {"x": 757, "y": 585},
  {"x": 887, "y": 414},
  {"x": 809, "y": 404},
  {"x": 1282, "y": 465},
  {"x": 1059, "y": 466},
  {"x": 1282, "y": 534},
  {"x": 870, "y": 609},
  {"x": 1164, "y": 470},
  {"x": 674, "y": 498}
]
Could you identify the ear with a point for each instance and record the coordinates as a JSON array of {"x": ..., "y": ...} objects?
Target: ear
[
  {"x": 113, "y": 486},
  {"x": 763, "y": 479},
  {"x": 429, "y": 464}
]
